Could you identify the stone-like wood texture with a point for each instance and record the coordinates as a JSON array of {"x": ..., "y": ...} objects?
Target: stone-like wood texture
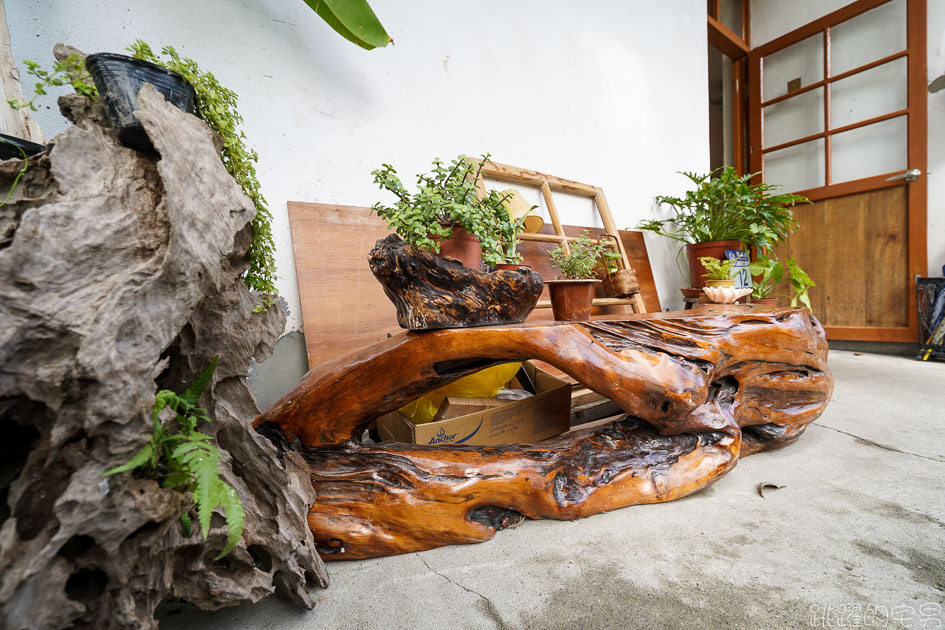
[
  {"x": 431, "y": 292},
  {"x": 700, "y": 388},
  {"x": 120, "y": 275}
]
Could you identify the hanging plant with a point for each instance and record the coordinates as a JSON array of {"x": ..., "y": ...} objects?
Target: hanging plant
[{"x": 216, "y": 106}]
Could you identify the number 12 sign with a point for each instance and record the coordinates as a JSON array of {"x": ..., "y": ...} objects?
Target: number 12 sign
[{"x": 740, "y": 268}]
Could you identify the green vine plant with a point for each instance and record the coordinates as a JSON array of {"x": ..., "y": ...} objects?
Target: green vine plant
[
  {"x": 187, "y": 460},
  {"x": 69, "y": 71},
  {"x": 216, "y": 106},
  {"x": 581, "y": 263}
]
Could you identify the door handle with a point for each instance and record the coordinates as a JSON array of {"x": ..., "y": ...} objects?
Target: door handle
[{"x": 909, "y": 176}]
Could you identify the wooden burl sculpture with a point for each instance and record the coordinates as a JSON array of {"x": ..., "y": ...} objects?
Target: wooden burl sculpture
[{"x": 700, "y": 388}]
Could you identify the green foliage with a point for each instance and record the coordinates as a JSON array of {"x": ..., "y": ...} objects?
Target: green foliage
[
  {"x": 727, "y": 207},
  {"x": 717, "y": 269},
  {"x": 216, "y": 106},
  {"x": 22, "y": 171},
  {"x": 187, "y": 460},
  {"x": 507, "y": 230},
  {"x": 772, "y": 272},
  {"x": 582, "y": 261},
  {"x": 609, "y": 258},
  {"x": 69, "y": 71},
  {"x": 354, "y": 20},
  {"x": 446, "y": 196}
]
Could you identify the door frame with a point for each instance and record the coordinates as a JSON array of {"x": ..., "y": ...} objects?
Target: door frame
[
  {"x": 917, "y": 117},
  {"x": 736, "y": 47}
]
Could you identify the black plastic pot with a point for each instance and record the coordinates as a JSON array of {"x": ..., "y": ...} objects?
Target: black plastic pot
[
  {"x": 120, "y": 77},
  {"x": 10, "y": 147}
]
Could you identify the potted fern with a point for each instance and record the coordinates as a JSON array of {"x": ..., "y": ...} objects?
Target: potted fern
[
  {"x": 573, "y": 295},
  {"x": 720, "y": 285},
  {"x": 447, "y": 216},
  {"x": 725, "y": 211},
  {"x": 718, "y": 273}
]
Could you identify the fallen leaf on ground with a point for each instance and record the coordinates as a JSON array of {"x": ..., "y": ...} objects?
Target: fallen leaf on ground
[{"x": 766, "y": 484}]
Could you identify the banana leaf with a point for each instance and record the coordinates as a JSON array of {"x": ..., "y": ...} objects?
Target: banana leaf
[{"x": 354, "y": 20}]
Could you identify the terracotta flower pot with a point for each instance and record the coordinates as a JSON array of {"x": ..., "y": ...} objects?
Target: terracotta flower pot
[
  {"x": 712, "y": 249},
  {"x": 720, "y": 283},
  {"x": 510, "y": 266},
  {"x": 768, "y": 301},
  {"x": 462, "y": 246},
  {"x": 571, "y": 300}
]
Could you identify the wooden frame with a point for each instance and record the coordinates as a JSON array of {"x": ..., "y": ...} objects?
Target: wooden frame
[
  {"x": 548, "y": 184},
  {"x": 917, "y": 117}
]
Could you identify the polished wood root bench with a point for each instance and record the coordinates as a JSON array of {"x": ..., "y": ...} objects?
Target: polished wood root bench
[{"x": 700, "y": 389}]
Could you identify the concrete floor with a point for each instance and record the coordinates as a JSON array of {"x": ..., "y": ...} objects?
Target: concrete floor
[{"x": 856, "y": 535}]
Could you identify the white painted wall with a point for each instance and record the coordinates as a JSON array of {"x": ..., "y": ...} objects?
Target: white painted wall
[
  {"x": 772, "y": 18},
  {"x": 609, "y": 93}
]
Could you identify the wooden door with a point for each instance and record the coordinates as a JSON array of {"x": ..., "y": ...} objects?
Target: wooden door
[{"x": 838, "y": 114}]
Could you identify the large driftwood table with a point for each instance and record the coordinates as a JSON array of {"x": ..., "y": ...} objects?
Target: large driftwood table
[{"x": 700, "y": 389}]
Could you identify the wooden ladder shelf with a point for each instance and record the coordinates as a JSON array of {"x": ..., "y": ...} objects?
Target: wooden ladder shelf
[{"x": 549, "y": 184}]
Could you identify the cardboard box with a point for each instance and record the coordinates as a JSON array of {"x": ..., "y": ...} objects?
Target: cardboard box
[{"x": 532, "y": 419}]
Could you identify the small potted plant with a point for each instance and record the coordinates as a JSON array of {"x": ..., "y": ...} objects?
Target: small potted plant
[
  {"x": 720, "y": 285},
  {"x": 770, "y": 273},
  {"x": 718, "y": 273},
  {"x": 445, "y": 215},
  {"x": 725, "y": 211},
  {"x": 572, "y": 296}
]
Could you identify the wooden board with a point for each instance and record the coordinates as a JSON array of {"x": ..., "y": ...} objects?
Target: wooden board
[
  {"x": 855, "y": 248},
  {"x": 344, "y": 307}
]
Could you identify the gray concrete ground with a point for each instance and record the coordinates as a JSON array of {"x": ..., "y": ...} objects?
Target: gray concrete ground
[{"x": 856, "y": 538}]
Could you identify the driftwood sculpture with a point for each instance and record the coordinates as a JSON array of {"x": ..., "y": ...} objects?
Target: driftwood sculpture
[
  {"x": 120, "y": 274},
  {"x": 700, "y": 390},
  {"x": 438, "y": 292}
]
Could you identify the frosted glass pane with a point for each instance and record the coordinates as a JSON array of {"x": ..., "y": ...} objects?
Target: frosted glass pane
[
  {"x": 803, "y": 60},
  {"x": 873, "y": 35},
  {"x": 871, "y": 150},
  {"x": 794, "y": 118},
  {"x": 868, "y": 94},
  {"x": 732, "y": 14},
  {"x": 796, "y": 168}
]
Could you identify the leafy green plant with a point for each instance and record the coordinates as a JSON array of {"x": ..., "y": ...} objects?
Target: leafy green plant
[
  {"x": 354, "y": 20},
  {"x": 187, "y": 460},
  {"x": 20, "y": 173},
  {"x": 726, "y": 206},
  {"x": 69, "y": 71},
  {"x": 772, "y": 272},
  {"x": 609, "y": 261},
  {"x": 446, "y": 197},
  {"x": 507, "y": 230},
  {"x": 717, "y": 269},
  {"x": 582, "y": 261},
  {"x": 216, "y": 106}
]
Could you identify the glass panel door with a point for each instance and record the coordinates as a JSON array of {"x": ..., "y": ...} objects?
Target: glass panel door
[{"x": 834, "y": 105}]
